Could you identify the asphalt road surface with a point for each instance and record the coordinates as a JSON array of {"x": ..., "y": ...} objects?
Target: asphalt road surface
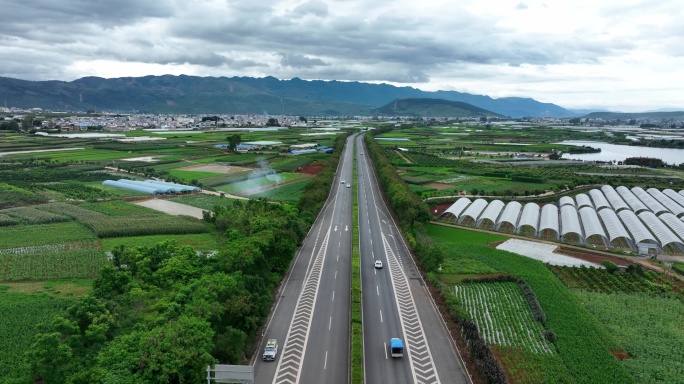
[{"x": 311, "y": 319}]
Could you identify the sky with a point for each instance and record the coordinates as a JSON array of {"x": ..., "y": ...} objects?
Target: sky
[{"x": 620, "y": 55}]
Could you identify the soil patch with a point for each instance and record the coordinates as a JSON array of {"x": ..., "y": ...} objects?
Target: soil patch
[
  {"x": 592, "y": 257},
  {"x": 172, "y": 208},
  {"x": 311, "y": 169},
  {"x": 620, "y": 355},
  {"x": 438, "y": 186},
  {"x": 437, "y": 210}
]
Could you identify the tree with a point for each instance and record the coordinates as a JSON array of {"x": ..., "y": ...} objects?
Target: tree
[
  {"x": 272, "y": 122},
  {"x": 234, "y": 141},
  {"x": 303, "y": 119}
]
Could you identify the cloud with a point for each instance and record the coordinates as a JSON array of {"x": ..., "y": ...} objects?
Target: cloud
[
  {"x": 300, "y": 61},
  {"x": 470, "y": 44}
]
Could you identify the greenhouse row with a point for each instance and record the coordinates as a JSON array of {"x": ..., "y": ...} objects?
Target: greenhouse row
[
  {"x": 608, "y": 217},
  {"x": 152, "y": 187}
]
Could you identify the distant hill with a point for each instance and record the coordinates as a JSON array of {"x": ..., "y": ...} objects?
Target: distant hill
[
  {"x": 241, "y": 95},
  {"x": 432, "y": 107},
  {"x": 676, "y": 115}
]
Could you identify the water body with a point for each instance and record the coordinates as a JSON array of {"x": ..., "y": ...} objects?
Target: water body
[{"x": 613, "y": 152}]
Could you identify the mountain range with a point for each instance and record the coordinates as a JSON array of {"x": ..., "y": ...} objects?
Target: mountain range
[{"x": 242, "y": 95}]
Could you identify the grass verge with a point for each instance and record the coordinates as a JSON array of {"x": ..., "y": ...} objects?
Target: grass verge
[{"x": 356, "y": 324}]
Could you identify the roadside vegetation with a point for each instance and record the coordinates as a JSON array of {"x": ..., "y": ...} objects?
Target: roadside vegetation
[{"x": 151, "y": 281}]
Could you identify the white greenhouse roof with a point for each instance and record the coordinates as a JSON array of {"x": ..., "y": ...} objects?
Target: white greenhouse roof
[
  {"x": 570, "y": 221},
  {"x": 649, "y": 201},
  {"x": 591, "y": 224},
  {"x": 458, "y": 207},
  {"x": 599, "y": 200},
  {"x": 679, "y": 199},
  {"x": 635, "y": 227},
  {"x": 676, "y": 225},
  {"x": 530, "y": 216},
  {"x": 549, "y": 218},
  {"x": 668, "y": 203},
  {"x": 510, "y": 214},
  {"x": 583, "y": 200},
  {"x": 492, "y": 211},
  {"x": 474, "y": 210},
  {"x": 614, "y": 226},
  {"x": 634, "y": 203},
  {"x": 566, "y": 200},
  {"x": 664, "y": 235},
  {"x": 133, "y": 187},
  {"x": 614, "y": 198}
]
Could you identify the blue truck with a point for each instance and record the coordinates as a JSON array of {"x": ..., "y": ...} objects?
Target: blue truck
[{"x": 396, "y": 347}]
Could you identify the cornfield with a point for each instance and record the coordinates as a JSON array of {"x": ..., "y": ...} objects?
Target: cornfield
[
  {"x": 34, "y": 216},
  {"x": 123, "y": 226},
  {"x": 53, "y": 261}
]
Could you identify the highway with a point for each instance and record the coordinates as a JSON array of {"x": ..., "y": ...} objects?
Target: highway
[
  {"x": 395, "y": 303},
  {"x": 311, "y": 320}
]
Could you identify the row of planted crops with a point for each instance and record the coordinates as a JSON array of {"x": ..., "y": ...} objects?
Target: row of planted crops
[
  {"x": 636, "y": 280},
  {"x": 53, "y": 257}
]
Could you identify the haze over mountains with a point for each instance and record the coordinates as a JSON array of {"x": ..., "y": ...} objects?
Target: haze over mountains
[{"x": 242, "y": 95}]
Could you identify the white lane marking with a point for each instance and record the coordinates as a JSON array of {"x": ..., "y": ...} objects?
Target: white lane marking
[
  {"x": 377, "y": 289},
  {"x": 338, "y": 258},
  {"x": 325, "y": 364},
  {"x": 333, "y": 296},
  {"x": 381, "y": 317},
  {"x": 330, "y": 323},
  {"x": 385, "y": 350},
  {"x": 335, "y": 275}
]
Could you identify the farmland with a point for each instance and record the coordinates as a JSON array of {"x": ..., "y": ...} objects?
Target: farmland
[
  {"x": 517, "y": 339},
  {"x": 634, "y": 281},
  {"x": 578, "y": 334},
  {"x": 649, "y": 328},
  {"x": 21, "y": 314},
  {"x": 54, "y": 261},
  {"x": 482, "y": 161}
]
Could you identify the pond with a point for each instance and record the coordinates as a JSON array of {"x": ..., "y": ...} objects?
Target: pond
[{"x": 614, "y": 152}]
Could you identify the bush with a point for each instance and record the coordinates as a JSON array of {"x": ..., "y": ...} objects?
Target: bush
[{"x": 610, "y": 266}]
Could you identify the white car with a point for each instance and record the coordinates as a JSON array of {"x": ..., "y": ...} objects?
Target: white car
[
  {"x": 271, "y": 350},
  {"x": 342, "y": 182},
  {"x": 378, "y": 264}
]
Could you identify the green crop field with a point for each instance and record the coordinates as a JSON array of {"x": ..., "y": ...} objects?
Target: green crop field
[
  {"x": 505, "y": 321},
  {"x": 81, "y": 259},
  {"x": 191, "y": 175},
  {"x": 21, "y": 314},
  {"x": 120, "y": 208},
  {"x": 290, "y": 192},
  {"x": 30, "y": 215},
  {"x": 200, "y": 241},
  {"x": 206, "y": 202},
  {"x": 27, "y": 235},
  {"x": 600, "y": 280},
  {"x": 649, "y": 328},
  {"x": 122, "y": 226},
  {"x": 254, "y": 185},
  {"x": 578, "y": 333}
]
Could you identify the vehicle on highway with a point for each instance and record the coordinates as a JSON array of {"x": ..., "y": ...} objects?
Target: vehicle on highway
[
  {"x": 342, "y": 182},
  {"x": 271, "y": 350},
  {"x": 349, "y": 185},
  {"x": 378, "y": 264},
  {"x": 396, "y": 347}
]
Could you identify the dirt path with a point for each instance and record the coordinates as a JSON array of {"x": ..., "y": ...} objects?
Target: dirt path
[{"x": 403, "y": 157}]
